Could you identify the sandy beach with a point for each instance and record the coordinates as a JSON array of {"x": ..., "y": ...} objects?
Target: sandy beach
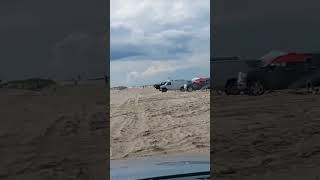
[
  {"x": 49, "y": 135},
  {"x": 274, "y": 136},
  {"x": 147, "y": 122},
  {"x": 53, "y": 134}
]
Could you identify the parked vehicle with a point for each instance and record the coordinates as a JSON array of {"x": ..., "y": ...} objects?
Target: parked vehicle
[
  {"x": 174, "y": 85},
  {"x": 157, "y": 86},
  {"x": 201, "y": 83},
  {"x": 225, "y": 71},
  {"x": 287, "y": 71},
  {"x": 189, "y": 86}
]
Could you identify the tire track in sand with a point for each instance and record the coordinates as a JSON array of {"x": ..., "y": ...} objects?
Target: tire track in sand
[{"x": 128, "y": 127}]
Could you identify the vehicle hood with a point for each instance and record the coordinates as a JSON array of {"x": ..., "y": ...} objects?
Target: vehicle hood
[{"x": 159, "y": 166}]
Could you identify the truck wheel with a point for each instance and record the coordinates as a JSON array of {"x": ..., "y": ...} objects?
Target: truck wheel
[
  {"x": 232, "y": 88},
  {"x": 164, "y": 90},
  {"x": 256, "y": 88},
  {"x": 189, "y": 89},
  {"x": 181, "y": 89}
]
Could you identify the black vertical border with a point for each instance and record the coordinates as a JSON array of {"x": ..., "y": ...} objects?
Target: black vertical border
[
  {"x": 107, "y": 45},
  {"x": 211, "y": 90}
]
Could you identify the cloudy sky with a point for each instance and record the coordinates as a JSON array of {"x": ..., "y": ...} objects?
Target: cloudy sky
[{"x": 153, "y": 40}]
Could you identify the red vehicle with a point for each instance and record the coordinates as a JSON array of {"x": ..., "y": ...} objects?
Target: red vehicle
[
  {"x": 199, "y": 80},
  {"x": 200, "y": 83}
]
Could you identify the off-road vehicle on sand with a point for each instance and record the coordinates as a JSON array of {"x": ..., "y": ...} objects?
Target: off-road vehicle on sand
[{"x": 288, "y": 71}]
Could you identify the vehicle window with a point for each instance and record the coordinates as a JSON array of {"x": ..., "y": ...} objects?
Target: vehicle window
[{"x": 169, "y": 83}]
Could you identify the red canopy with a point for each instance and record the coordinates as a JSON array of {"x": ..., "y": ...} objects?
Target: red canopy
[
  {"x": 199, "y": 80},
  {"x": 292, "y": 57}
]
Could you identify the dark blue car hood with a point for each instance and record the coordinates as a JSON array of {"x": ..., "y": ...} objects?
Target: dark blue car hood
[{"x": 144, "y": 168}]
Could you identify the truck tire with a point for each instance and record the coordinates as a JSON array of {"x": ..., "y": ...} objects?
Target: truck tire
[
  {"x": 256, "y": 88},
  {"x": 182, "y": 89},
  {"x": 232, "y": 88},
  {"x": 164, "y": 90},
  {"x": 189, "y": 89}
]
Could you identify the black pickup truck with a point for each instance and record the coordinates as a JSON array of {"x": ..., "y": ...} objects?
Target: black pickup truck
[
  {"x": 157, "y": 86},
  {"x": 290, "y": 71}
]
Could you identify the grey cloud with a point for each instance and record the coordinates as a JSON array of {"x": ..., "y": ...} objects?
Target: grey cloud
[
  {"x": 160, "y": 45},
  {"x": 154, "y": 38}
]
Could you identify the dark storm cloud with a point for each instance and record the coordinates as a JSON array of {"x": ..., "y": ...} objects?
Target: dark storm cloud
[
  {"x": 164, "y": 44},
  {"x": 251, "y": 28},
  {"x": 150, "y": 50},
  {"x": 32, "y": 31},
  {"x": 124, "y": 51}
]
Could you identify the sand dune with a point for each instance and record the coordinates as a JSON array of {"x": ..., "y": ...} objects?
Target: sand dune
[
  {"x": 147, "y": 122},
  {"x": 53, "y": 135}
]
